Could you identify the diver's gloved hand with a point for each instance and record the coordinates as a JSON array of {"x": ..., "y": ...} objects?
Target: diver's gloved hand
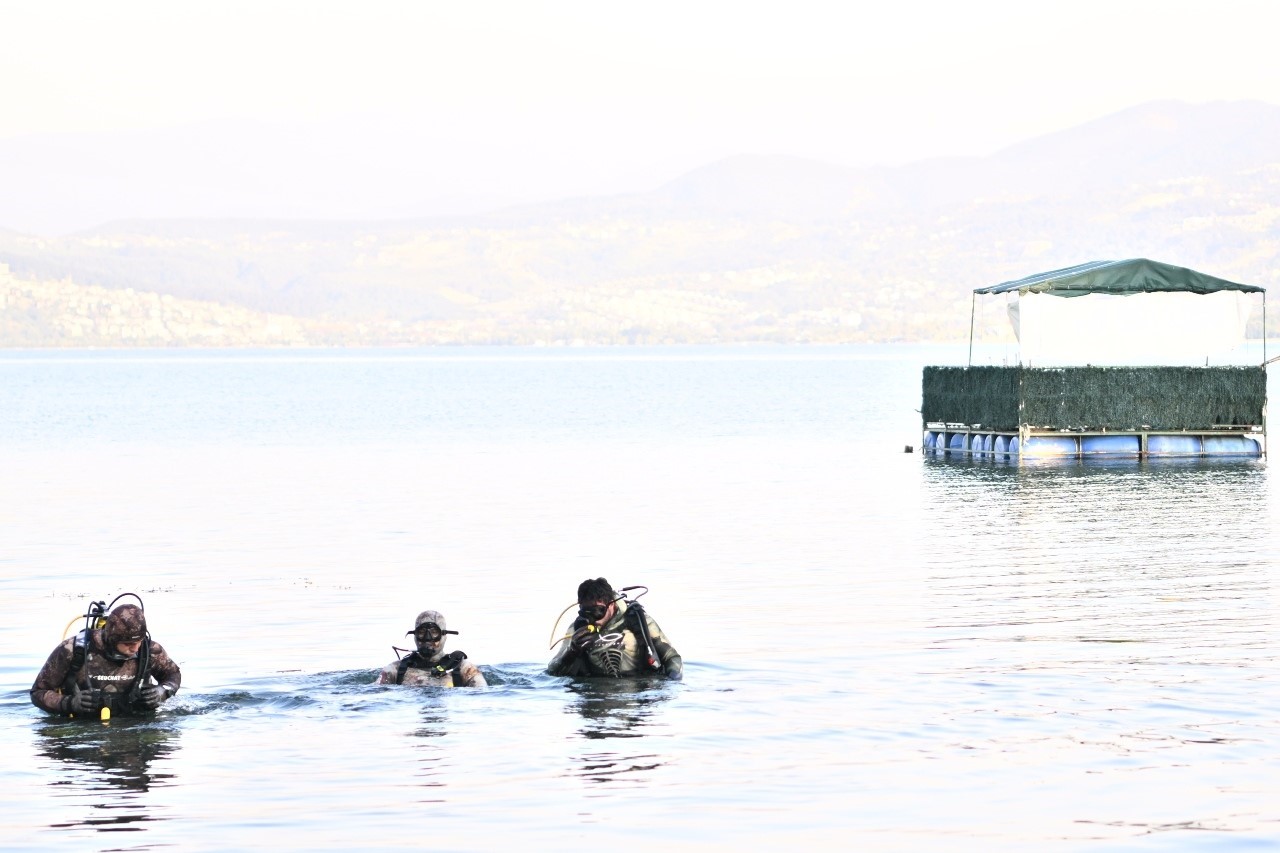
[
  {"x": 83, "y": 702},
  {"x": 154, "y": 695},
  {"x": 585, "y": 637}
]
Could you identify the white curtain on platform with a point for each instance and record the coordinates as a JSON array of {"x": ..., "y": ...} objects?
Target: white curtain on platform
[{"x": 1139, "y": 329}]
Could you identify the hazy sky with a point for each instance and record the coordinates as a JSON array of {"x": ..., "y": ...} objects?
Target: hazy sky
[{"x": 530, "y": 100}]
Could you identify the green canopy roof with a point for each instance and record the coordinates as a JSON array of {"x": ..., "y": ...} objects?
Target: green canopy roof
[{"x": 1119, "y": 278}]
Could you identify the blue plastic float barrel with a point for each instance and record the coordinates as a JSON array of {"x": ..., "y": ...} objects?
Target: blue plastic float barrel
[
  {"x": 1231, "y": 445},
  {"x": 1109, "y": 445},
  {"x": 1173, "y": 445},
  {"x": 940, "y": 441},
  {"x": 1050, "y": 445}
]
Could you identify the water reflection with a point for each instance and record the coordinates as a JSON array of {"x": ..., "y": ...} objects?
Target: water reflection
[
  {"x": 110, "y": 767},
  {"x": 433, "y": 717},
  {"x": 430, "y": 768},
  {"x": 617, "y": 708},
  {"x": 614, "y": 708},
  {"x": 1089, "y": 552},
  {"x": 1111, "y": 490}
]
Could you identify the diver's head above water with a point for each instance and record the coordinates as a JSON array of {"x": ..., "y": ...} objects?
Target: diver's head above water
[
  {"x": 124, "y": 633},
  {"x": 429, "y": 631},
  {"x": 597, "y": 602}
]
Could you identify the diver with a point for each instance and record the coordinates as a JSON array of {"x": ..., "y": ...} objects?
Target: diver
[
  {"x": 614, "y": 638},
  {"x": 429, "y": 666},
  {"x": 110, "y": 667}
]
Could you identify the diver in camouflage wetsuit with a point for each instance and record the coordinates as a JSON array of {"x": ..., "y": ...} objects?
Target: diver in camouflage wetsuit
[
  {"x": 107, "y": 667},
  {"x": 429, "y": 666},
  {"x": 609, "y": 639}
]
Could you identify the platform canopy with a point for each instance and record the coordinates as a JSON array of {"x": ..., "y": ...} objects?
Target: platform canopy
[
  {"x": 1119, "y": 278},
  {"x": 1140, "y": 312}
]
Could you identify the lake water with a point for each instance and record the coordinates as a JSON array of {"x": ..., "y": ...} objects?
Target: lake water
[{"x": 882, "y": 651}]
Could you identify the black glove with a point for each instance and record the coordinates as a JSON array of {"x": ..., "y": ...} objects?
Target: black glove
[
  {"x": 85, "y": 702},
  {"x": 449, "y": 661},
  {"x": 153, "y": 695},
  {"x": 585, "y": 637}
]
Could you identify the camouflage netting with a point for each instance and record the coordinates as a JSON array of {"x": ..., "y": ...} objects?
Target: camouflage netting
[
  {"x": 1093, "y": 398},
  {"x": 979, "y": 396}
]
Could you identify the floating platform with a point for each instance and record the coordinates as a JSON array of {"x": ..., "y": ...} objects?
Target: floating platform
[
  {"x": 1062, "y": 412},
  {"x": 1088, "y": 315}
]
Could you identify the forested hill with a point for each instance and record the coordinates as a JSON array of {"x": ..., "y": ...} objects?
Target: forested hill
[{"x": 747, "y": 249}]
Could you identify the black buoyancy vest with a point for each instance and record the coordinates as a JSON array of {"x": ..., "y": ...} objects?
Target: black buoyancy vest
[
  {"x": 450, "y": 663},
  {"x": 80, "y": 654}
]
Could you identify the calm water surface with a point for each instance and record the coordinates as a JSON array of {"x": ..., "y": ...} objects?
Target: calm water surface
[{"x": 882, "y": 651}]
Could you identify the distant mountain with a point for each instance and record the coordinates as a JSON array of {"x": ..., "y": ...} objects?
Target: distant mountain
[
  {"x": 773, "y": 187},
  {"x": 1147, "y": 144},
  {"x": 748, "y": 248},
  {"x": 1153, "y": 142}
]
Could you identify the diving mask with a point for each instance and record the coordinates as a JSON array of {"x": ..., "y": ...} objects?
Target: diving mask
[
  {"x": 429, "y": 632},
  {"x": 593, "y": 612}
]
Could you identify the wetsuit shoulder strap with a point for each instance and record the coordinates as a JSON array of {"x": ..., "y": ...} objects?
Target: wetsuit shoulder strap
[
  {"x": 458, "y": 658},
  {"x": 403, "y": 666},
  {"x": 634, "y": 619},
  {"x": 79, "y": 653}
]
